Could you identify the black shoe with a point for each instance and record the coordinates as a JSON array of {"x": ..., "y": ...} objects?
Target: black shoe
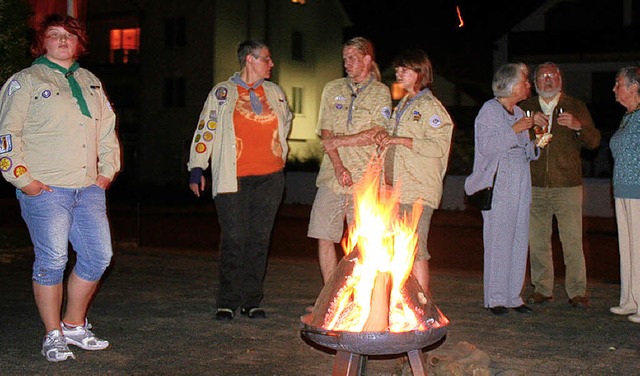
[
  {"x": 224, "y": 314},
  {"x": 523, "y": 309},
  {"x": 254, "y": 313},
  {"x": 499, "y": 310}
]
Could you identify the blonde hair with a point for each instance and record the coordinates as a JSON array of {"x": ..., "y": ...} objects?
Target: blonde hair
[{"x": 366, "y": 48}]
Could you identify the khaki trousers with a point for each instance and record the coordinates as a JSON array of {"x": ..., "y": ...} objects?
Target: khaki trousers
[{"x": 566, "y": 205}]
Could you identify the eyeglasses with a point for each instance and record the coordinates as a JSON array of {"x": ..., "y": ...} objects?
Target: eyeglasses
[
  {"x": 266, "y": 59},
  {"x": 544, "y": 76},
  {"x": 58, "y": 36}
]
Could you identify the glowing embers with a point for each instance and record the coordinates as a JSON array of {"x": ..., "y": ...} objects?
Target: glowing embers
[{"x": 372, "y": 289}]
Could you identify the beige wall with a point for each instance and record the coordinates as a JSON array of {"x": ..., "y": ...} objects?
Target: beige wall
[{"x": 214, "y": 29}]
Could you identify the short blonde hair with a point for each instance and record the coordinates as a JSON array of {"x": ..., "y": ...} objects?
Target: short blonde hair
[{"x": 366, "y": 48}]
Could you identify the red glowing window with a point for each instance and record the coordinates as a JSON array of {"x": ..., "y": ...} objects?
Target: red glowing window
[{"x": 122, "y": 43}]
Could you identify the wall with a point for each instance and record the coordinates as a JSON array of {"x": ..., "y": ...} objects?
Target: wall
[{"x": 598, "y": 202}]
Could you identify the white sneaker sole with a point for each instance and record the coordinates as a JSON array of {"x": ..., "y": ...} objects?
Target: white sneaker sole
[
  {"x": 71, "y": 341},
  {"x": 58, "y": 357}
]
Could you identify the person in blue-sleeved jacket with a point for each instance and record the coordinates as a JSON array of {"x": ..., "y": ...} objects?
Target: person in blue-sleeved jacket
[{"x": 624, "y": 145}]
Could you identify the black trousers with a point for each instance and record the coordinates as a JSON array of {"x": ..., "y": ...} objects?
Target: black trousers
[{"x": 246, "y": 219}]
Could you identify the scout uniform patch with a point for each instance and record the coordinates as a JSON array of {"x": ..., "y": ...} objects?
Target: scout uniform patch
[
  {"x": 46, "y": 94},
  {"x": 221, "y": 94},
  {"x": 5, "y": 164},
  {"x": 435, "y": 121},
  {"x": 200, "y": 124},
  {"x": 207, "y": 136},
  {"x": 13, "y": 87},
  {"x": 211, "y": 125},
  {"x": 417, "y": 116},
  {"x": 201, "y": 147},
  {"x": 386, "y": 112},
  {"x": 5, "y": 143},
  {"x": 19, "y": 171}
]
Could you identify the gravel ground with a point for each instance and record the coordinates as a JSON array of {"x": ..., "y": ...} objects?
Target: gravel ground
[{"x": 157, "y": 302}]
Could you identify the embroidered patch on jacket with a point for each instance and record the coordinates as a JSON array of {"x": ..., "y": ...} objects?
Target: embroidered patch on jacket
[
  {"x": 197, "y": 138},
  {"x": 386, "y": 112},
  {"x": 201, "y": 147},
  {"x": 13, "y": 87},
  {"x": 5, "y": 164},
  {"x": 221, "y": 93},
  {"x": 435, "y": 121},
  {"x": 200, "y": 124},
  {"x": 46, "y": 94},
  {"x": 211, "y": 125},
  {"x": 207, "y": 136},
  {"x": 213, "y": 115},
  {"x": 417, "y": 115},
  {"x": 19, "y": 171},
  {"x": 5, "y": 143}
]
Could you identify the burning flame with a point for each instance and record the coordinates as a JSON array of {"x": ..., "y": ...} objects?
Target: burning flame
[
  {"x": 459, "y": 17},
  {"x": 383, "y": 248}
]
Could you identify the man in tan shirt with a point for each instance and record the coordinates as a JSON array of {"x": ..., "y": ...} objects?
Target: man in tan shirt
[{"x": 353, "y": 110}]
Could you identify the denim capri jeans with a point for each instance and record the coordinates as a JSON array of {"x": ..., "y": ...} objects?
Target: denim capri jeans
[{"x": 67, "y": 215}]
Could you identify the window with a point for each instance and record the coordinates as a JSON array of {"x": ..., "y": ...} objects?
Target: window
[
  {"x": 174, "y": 92},
  {"x": 124, "y": 45},
  {"x": 296, "y": 100},
  {"x": 175, "y": 32},
  {"x": 297, "y": 46}
]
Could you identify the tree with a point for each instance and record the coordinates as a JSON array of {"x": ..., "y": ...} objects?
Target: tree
[{"x": 14, "y": 37}]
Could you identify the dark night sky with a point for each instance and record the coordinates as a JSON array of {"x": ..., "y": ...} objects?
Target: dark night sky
[{"x": 461, "y": 54}]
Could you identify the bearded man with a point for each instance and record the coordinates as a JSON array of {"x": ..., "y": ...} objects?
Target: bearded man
[{"x": 556, "y": 179}]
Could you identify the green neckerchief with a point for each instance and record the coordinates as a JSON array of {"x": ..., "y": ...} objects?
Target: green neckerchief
[{"x": 73, "y": 83}]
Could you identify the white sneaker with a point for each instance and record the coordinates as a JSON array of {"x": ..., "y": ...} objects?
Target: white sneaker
[
  {"x": 622, "y": 311},
  {"x": 634, "y": 318},
  {"x": 54, "y": 347},
  {"x": 83, "y": 337}
]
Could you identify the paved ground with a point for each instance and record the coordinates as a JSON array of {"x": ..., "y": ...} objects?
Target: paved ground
[{"x": 156, "y": 305}]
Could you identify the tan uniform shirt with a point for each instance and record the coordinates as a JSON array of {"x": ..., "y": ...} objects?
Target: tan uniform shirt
[
  {"x": 45, "y": 137},
  {"x": 371, "y": 107},
  {"x": 420, "y": 171}
]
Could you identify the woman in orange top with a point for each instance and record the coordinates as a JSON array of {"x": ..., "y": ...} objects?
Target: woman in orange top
[{"x": 242, "y": 132}]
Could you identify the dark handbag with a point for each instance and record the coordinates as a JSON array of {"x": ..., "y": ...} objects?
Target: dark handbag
[{"x": 481, "y": 199}]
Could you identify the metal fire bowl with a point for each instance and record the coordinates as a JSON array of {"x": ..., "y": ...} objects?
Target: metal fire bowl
[{"x": 374, "y": 343}]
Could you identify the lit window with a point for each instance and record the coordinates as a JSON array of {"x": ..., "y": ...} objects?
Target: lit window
[
  {"x": 123, "y": 44},
  {"x": 296, "y": 100},
  {"x": 301, "y": 2}
]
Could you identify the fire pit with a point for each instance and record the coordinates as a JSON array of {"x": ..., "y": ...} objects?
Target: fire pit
[
  {"x": 372, "y": 304},
  {"x": 353, "y": 347}
]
